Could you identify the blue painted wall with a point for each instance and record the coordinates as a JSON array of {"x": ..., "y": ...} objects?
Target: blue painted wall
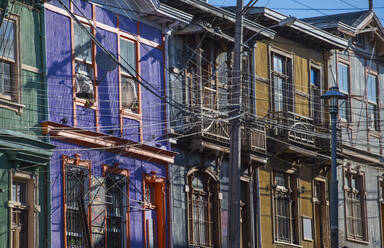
[{"x": 60, "y": 91}]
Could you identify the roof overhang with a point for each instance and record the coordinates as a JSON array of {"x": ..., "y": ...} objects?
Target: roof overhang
[
  {"x": 221, "y": 14},
  {"x": 303, "y": 27},
  {"x": 155, "y": 9},
  {"x": 109, "y": 143},
  {"x": 21, "y": 148}
]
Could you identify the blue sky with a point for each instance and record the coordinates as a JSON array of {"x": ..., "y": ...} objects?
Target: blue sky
[{"x": 309, "y": 8}]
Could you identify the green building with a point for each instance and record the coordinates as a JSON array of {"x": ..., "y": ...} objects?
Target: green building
[{"x": 24, "y": 152}]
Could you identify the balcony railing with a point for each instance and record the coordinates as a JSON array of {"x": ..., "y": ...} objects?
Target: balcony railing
[{"x": 293, "y": 127}]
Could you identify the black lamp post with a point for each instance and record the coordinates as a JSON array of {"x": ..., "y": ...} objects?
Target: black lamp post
[{"x": 334, "y": 95}]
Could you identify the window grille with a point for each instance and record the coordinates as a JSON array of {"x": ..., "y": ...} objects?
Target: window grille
[
  {"x": 116, "y": 198},
  {"x": 203, "y": 210},
  {"x": 76, "y": 187}
]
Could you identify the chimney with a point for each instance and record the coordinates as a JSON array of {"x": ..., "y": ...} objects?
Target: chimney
[{"x": 370, "y": 4}]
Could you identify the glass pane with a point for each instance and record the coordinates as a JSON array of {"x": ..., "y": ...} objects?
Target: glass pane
[
  {"x": 278, "y": 63},
  {"x": 278, "y": 93},
  {"x": 343, "y": 77},
  {"x": 280, "y": 180},
  {"x": 84, "y": 80},
  {"x": 372, "y": 115},
  {"x": 315, "y": 76},
  {"x": 7, "y": 35},
  {"x": 5, "y": 77},
  {"x": 371, "y": 88},
  {"x": 128, "y": 56},
  {"x": 83, "y": 43},
  {"x": 129, "y": 94},
  {"x": 343, "y": 109}
]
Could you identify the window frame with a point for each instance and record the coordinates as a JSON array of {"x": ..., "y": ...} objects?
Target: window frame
[
  {"x": 348, "y": 173},
  {"x": 288, "y": 78},
  {"x": 125, "y": 173},
  {"x": 125, "y": 112},
  {"x": 292, "y": 194},
  {"x": 319, "y": 68},
  {"x": 31, "y": 205},
  {"x": 214, "y": 240},
  {"x": 86, "y": 164},
  {"x": 376, "y": 120},
  {"x": 84, "y": 102},
  {"x": 347, "y": 93},
  {"x": 14, "y": 102}
]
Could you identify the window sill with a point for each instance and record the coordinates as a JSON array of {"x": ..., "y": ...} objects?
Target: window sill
[
  {"x": 360, "y": 241},
  {"x": 14, "y": 106},
  {"x": 287, "y": 244},
  {"x": 84, "y": 103},
  {"x": 129, "y": 114},
  {"x": 14, "y": 204},
  {"x": 374, "y": 133}
]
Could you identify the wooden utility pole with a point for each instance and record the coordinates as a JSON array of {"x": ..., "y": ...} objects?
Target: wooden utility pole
[{"x": 235, "y": 151}]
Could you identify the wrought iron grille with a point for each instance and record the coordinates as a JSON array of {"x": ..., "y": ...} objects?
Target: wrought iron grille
[
  {"x": 116, "y": 192},
  {"x": 76, "y": 186}
]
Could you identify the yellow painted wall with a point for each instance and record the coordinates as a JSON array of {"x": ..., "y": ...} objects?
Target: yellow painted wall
[
  {"x": 262, "y": 87},
  {"x": 265, "y": 207}
]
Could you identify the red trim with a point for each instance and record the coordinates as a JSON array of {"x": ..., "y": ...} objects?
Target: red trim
[{"x": 160, "y": 204}]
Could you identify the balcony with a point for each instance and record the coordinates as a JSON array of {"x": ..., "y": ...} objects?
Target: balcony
[{"x": 295, "y": 129}]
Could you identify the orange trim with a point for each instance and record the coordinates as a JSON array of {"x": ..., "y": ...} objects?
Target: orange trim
[
  {"x": 124, "y": 172},
  {"x": 96, "y": 89},
  {"x": 77, "y": 162},
  {"x": 160, "y": 205},
  {"x": 111, "y": 143}
]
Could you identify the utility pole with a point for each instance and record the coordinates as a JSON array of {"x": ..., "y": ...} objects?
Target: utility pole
[{"x": 235, "y": 151}]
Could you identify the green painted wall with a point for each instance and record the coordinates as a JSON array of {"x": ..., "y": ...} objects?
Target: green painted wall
[{"x": 27, "y": 122}]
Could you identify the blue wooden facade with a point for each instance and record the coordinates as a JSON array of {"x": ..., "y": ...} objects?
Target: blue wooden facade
[{"x": 113, "y": 129}]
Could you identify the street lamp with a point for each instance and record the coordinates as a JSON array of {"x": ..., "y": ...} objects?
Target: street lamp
[{"x": 334, "y": 95}]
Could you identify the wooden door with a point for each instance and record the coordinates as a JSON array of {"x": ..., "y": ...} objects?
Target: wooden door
[{"x": 154, "y": 213}]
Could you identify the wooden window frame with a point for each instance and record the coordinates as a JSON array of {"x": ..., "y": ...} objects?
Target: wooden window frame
[
  {"x": 349, "y": 172},
  {"x": 31, "y": 205},
  {"x": 324, "y": 202},
  {"x": 318, "y": 67},
  {"x": 214, "y": 240},
  {"x": 14, "y": 102},
  {"x": 292, "y": 193},
  {"x": 344, "y": 122},
  {"x": 285, "y": 91},
  {"x": 89, "y": 103},
  {"x": 124, "y": 112},
  {"x": 125, "y": 173},
  {"x": 66, "y": 160}
]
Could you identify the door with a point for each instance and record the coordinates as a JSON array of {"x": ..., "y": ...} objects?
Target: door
[
  {"x": 154, "y": 212},
  {"x": 320, "y": 212}
]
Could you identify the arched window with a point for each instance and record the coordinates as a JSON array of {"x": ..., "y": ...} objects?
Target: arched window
[{"x": 203, "y": 209}]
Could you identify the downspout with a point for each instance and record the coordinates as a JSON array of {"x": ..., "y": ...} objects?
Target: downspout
[{"x": 47, "y": 183}]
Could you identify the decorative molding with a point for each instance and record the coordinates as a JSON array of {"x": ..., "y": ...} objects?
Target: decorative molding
[{"x": 110, "y": 143}]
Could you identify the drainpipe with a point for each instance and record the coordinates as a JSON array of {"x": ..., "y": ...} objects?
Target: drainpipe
[{"x": 47, "y": 183}]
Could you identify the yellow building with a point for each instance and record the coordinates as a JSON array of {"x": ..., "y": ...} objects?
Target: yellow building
[{"x": 289, "y": 73}]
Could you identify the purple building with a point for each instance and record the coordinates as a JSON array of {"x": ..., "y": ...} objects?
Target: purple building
[{"x": 107, "y": 119}]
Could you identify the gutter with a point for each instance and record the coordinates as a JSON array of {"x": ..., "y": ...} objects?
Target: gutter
[{"x": 304, "y": 27}]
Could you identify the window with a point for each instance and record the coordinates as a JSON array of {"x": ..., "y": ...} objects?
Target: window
[
  {"x": 285, "y": 208},
  {"x": 76, "y": 188},
  {"x": 9, "y": 64},
  {"x": 23, "y": 210},
  {"x": 116, "y": 185},
  {"x": 203, "y": 210},
  {"x": 354, "y": 192},
  {"x": 343, "y": 79},
  {"x": 372, "y": 103},
  {"x": 129, "y": 86},
  {"x": 315, "y": 89},
  {"x": 282, "y": 85},
  {"x": 83, "y": 63}
]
